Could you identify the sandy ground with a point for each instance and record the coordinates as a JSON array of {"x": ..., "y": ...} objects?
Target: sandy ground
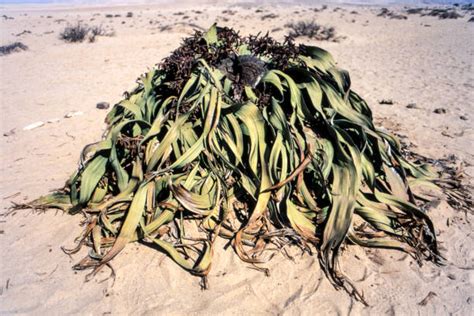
[{"x": 420, "y": 60}]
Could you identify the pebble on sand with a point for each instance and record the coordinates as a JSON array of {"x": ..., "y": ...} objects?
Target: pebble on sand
[
  {"x": 10, "y": 132},
  {"x": 73, "y": 113},
  {"x": 103, "y": 105},
  {"x": 386, "y": 101},
  {"x": 33, "y": 125}
]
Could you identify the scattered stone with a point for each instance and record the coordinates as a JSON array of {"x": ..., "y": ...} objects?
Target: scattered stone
[
  {"x": 464, "y": 118},
  {"x": 412, "y": 106},
  {"x": 53, "y": 120},
  {"x": 427, "y": 298},
  {"x": 229, "y": 12},
  {"x": 386, "y": 101},
  {"x": 445, "y": 133},
  {"x": 103, "y": 105},
  {"x": 73, "y": 113},
  {"x": 129, "y": 15},
  {"x": 10, "y": 132},
  {"x": 24, "y": 32},
  {"x": 440, "y": 111},
  {"x": 33, "y": 125},
  {"x": 451, "y": 276},
  {"x": 269, "y": 16}
]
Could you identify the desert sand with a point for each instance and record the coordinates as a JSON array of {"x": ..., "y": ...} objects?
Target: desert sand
[{"x": 421, "y": 60}]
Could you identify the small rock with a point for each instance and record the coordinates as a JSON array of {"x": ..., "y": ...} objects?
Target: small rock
[
  {"x": 73, "y": 113},
  {"x": 412, "y": 106},
  {"x": 33, "y": 125},
  {"x": 103, "y": 105},
  {"x": 452, "y": 276},
  {"x": 53, "y": 120},
  {"x": 463, "y": 117},
  {"x": 440, "y": 111},
  {"x": 386, "y": 101},
  {"x": 428, "y": 298},
  {"x": 9, "y": 133}
]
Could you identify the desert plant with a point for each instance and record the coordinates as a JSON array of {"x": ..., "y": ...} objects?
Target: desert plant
[
  {"x": 81, "y": 32},
  {"x": 467, "y": 7},
  {"x": 443, "y": 13},
  {"x": 313, "y": 30},
  {"x": 386, "y": 13},
  {"x": 449, "y": 15},
  {"x": 11, "y": 48},
  {"x": 95, "y": 31},
  {"x": 414, "y": 10},
  {"x": 259, "y": 142},
  {"x": 76, "y": 33}
]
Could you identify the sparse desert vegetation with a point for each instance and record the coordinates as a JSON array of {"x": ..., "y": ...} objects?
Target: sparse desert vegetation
[
  {"x": 73, "y": 34},
  {"x": 414, "y": 10},
  {"x": 444, "y": 13},
  {"x": 386, "y": 13},
  {"x": 12, "y": 48},
  {"x": 312, "y": 30},
  {"x": 81, "y": 32}
]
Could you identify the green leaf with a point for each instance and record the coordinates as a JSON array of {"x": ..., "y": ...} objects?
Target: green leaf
[
  {"x": 90, "y": 177},
  {"x": 211, "y": 35}
]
